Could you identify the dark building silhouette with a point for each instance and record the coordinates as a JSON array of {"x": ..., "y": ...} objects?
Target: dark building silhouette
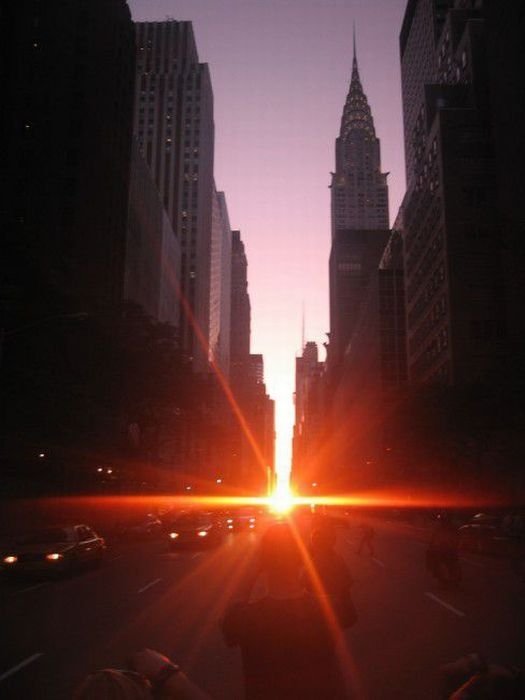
[
  {"x": 153, "y": 250},
  {"x": 67, "y": 90},
  {"x": 307, "y": 472},
  {"x": 247, "y": 384},
  {"x": 354, "y": 258},
  {"x": 454, "y": 230},
  {"x": 372, "y": 379},
  {"x": 420, "y": 32},
  {"x": 240, "y": 309},
  {"x": 67, "y": 80}
]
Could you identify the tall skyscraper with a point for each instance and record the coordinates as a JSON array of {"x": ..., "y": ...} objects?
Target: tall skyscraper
[
  {"x": 359, "y": 215},
  {"x": 226, "y": 283},
  {"x": 420, "y": 32},
  {"x": 453, "y": 254},
  {"x": 240, "y": 311},
  {"x": 359, "y": 188},
  {"x": 152, "y": 250},
  {"x": 67, "y": 91},
  {"x": 175, "y": 130},
  {"x": 309, "y": 420}
]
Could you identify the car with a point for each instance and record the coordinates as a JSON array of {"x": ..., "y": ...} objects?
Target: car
[
  {"x": 197, "y": 529},
  {"x": 54, "y": 550},
  {"x": 140, "y": 527},
  {"x": 242, "y": 519},
  {"x": 484, "y": 533}
]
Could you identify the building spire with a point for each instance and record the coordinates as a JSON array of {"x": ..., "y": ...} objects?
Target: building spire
[
  {"x": 356, "y": 114},
  {"x": 355, "y": 70}
]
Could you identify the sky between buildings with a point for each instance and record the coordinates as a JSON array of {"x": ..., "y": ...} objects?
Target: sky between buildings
[{"x": 280, "y": 73}]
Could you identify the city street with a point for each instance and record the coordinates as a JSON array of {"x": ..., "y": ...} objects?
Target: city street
[{"x": 55, "y": 632}]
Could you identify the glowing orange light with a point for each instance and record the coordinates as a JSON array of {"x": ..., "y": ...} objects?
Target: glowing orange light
[
  {"x": 203, "y": 533},
  {"x": 54, "y": 556},
  {"x": 282, "y": 500},
  {"x": 10, "y": 559},
  {"x": 174, "y": 535}
]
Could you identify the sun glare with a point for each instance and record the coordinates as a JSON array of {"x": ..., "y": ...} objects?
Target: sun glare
[{"x": 282, "y": 500}]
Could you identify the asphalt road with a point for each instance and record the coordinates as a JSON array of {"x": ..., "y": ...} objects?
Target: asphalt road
[{"x": 54, "y": 632}]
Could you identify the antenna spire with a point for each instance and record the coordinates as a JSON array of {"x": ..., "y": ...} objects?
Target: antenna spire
[{"x": 302, "y": 331}]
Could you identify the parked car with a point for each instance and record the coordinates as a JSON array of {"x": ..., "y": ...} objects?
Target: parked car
[
  {"x": 197, "y": 529},
  {"x": 485, "y": 534},
  {"x": 140, "y": 527},
  {"x": 53, "y": 550}
]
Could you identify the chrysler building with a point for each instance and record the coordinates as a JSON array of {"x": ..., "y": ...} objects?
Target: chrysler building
[{"x": 359, "y": 188}]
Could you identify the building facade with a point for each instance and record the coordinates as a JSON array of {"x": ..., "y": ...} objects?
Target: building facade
[
  {"x": 307, "y": 474},
  {"x": 152, "y": 250},
  {"x": 175, "y": 131},
  {"x": 454, "y": 248},
  {"x": 359, "y": 191},
  {"x": 359, "y": 196}
]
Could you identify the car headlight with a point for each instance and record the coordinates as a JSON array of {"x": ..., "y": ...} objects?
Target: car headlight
[
  {"x": 229, "y": 521},
  {"x": 174, "y": 535},
  {"x": 54, "y": 556},
  {"x": 252, "y": 520},
  {"x": 230, "y": 527},
  {"x": 10, "y": 559},
  {"x": 203, "y": 533}
]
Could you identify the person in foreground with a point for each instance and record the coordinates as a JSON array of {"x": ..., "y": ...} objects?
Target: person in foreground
[
  {"x": 287, "y": 648},
  {"x": 153, "y": 676}
]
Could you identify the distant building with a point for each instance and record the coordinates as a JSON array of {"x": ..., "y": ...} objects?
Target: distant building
[
  {"x": 240, "y": 311},
  {"x": 307, "y": 475},
  {"x": 256, "y": 369},
  {"x": 175, "y": 131},
  {"x": 359, "y": 188},
  {"x": 226, "y": 282},
  {"x": 354, "y": 258},
  {"x": 359, "y": 193}
]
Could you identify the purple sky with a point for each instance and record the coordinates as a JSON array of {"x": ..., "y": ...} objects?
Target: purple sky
[{"x": 280, "y": 73}]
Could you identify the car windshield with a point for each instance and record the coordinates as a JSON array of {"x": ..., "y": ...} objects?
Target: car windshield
[{"x": 56, "y": 534}]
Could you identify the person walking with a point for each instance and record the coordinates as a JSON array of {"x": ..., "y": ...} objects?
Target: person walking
[{"x": 285, "y": 639}]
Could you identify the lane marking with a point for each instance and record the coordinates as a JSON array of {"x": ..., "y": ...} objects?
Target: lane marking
[
  {"x": 149, "y": 585},
  {"x": 20, "y": 666},
  {"x": 33, "y": 588},
  {"x": 378, "y": 561},
  {"x": 197, "y": 554},
  {"x": 446, "y": 605}
]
